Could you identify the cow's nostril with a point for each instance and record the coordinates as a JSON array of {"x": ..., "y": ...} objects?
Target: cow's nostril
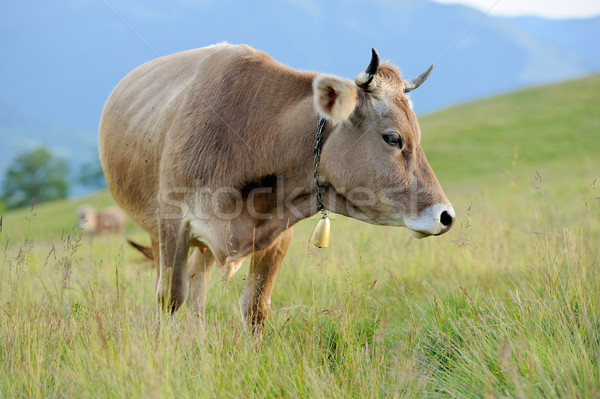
[{"x": 446, "y": 219}]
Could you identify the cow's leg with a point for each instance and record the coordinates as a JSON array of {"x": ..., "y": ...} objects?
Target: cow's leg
[
  {"x": 156, "y": 255},
  {"x": 255, "y": 302},
  {"x": 199, "y": 268},
  {"x": 172, "y": 286}
]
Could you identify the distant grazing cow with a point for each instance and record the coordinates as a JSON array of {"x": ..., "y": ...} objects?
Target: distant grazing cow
[
  {"x": 213, "y": 149},
  {"x": 100, "y": 222}
]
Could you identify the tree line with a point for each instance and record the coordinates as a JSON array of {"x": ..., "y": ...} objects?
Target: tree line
[{"x": 39, "y": 176}]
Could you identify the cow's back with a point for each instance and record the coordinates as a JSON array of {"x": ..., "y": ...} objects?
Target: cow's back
[{"x": 142, "y": 117}]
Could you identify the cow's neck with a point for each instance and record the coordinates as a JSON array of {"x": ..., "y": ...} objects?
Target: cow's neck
[{"x": 274, "y": 202}]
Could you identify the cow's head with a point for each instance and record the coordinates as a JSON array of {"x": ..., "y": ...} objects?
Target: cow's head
[
  {"x": 372, "y": 160},
  {"x": 87, "y": 217}
]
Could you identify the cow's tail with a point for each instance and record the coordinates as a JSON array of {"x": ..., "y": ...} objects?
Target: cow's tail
[{"x": 147, "y": 251}]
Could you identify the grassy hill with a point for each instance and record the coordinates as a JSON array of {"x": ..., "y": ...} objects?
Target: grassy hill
[
  {"x": 50, "y": 220},
  {"x": 554, "y": 129},
  {"x": 506, "y": 304}
]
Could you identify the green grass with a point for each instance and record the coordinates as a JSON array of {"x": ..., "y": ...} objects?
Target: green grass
[
  {"x": 505, "y": 305},
  {"x": 55, "y": 218},
  {"x": 554, "y": 129}
]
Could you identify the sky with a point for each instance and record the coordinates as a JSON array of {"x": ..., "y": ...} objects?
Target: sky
[{"x": 556, "y": 9}]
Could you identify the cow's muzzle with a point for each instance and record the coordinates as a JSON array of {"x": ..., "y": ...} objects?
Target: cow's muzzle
[{"x": 434, "y": 220}]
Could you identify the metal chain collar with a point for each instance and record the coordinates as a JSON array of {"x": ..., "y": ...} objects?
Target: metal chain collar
[{"x": 317, "y": 151}]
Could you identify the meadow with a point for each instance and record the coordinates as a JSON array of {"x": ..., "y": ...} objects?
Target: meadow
[{"x": 506, "y": 304}]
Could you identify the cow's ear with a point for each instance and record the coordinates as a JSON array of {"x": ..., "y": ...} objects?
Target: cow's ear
[{"x": 335, "y": 98}]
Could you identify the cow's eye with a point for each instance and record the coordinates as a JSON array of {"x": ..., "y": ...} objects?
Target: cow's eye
[{"x": 393, "y": 139}]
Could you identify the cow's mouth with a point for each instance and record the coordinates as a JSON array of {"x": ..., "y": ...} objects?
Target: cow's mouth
[
  {"x": 434, "y": 220},
  {"x": 420, "y": 234}
]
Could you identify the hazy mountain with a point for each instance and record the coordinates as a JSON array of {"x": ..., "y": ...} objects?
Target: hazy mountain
[{"x": 60, "y": 60}]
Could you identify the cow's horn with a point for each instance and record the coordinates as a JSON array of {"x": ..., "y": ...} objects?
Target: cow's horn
[
  {"x": 411, "y": 84},
  {"x": 365, "y": 79}
]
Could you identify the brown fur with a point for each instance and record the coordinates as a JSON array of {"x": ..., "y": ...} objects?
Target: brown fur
[{"x": 180, "y": 128}]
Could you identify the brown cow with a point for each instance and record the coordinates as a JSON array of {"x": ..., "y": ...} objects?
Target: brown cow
[
  {"x": 100, "y": 222},
  {"x": 213, "y": 148}
]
